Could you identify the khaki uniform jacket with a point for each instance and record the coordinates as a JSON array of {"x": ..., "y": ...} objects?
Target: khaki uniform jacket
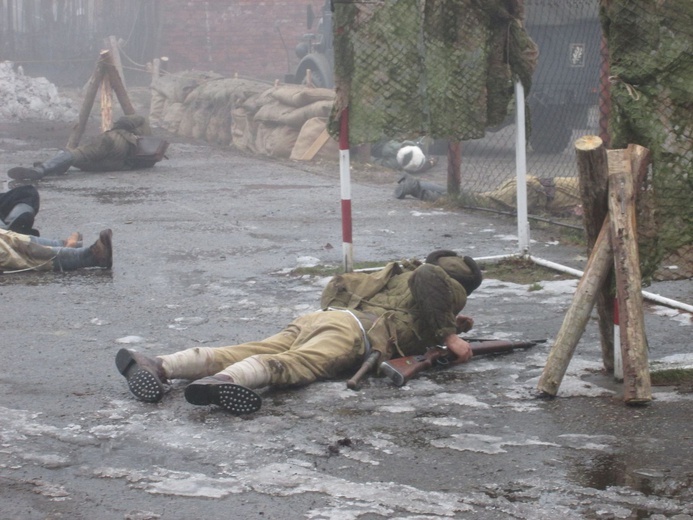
[{"x": 404, "y": 308}]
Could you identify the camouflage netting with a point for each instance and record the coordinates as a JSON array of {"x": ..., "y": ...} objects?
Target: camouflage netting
[
  {"x": 441, "y": 68},
  {"x": 651, "y": 54},
  {"x": 281, "y": 121}
]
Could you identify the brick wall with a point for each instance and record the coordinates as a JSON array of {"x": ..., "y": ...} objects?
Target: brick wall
[{"x": 231, "y": 36}]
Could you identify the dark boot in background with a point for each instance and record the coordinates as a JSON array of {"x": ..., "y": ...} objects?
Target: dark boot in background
[
  {"x": 57, "y": 165},
  {"x": 408, "y": 185},
  {"x": 20, "y": 220},
  {"x": 427, "y": 191}
]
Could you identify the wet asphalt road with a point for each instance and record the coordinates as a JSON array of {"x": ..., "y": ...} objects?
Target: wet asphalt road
[{"x": 203, "y": 248}]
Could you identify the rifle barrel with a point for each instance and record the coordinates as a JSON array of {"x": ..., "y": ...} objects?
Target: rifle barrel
[{"x": 497, "y": 346}]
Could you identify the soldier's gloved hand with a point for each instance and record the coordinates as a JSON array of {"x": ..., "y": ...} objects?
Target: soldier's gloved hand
[
  {"x": 460, "y": 349},
  {"x": 464, "y": 323}
]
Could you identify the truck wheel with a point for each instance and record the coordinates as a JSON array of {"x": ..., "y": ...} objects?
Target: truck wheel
[{"x": 319, "y": 71}]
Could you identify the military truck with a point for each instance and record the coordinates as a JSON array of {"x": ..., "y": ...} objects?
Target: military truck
[
  {"x": 565, "y": 83},
  {"x": 315, "y": 51}
]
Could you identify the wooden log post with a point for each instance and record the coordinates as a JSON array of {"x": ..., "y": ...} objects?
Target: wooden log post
[
  {"x": 636, "y": 375},
  {"x": 106, "y": 104},
  {"x": 598, "y": 266},
  {"x": 593, "y": 177},
  {"x": 89, "y": 97},
  {"x": 454, "y": 167},
  {"x": 113, "y": 45},
  {"x": 118, "y": 85}
]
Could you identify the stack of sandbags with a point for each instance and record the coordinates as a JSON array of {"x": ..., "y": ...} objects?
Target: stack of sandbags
[
  {"x": 169, "y": 92},
  {"x": 207, "y": 111},
  {"x": 247, "y": 114},
  {"x": 270, "y": 122}
]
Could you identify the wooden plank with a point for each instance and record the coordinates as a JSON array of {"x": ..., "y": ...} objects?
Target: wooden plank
[{"x": 315, "y": 147}]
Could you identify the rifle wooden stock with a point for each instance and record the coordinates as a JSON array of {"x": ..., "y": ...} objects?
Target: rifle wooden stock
[{"x": 401, "y": 370}]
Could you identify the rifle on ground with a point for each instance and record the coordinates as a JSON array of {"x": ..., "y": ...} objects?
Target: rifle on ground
[{"x": 401, "y": 370}]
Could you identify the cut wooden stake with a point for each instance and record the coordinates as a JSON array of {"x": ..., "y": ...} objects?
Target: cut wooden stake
[
  {"x": 106, "y": 104},
  {"x": 575, "y": 321},
  {"x": 593, "y": 176},
  {"x": 105, "y": 68},
  {"x": 636, "y": 375},
  {"x": 118, "y": 85},
  {"x": 89, "y": 97}
]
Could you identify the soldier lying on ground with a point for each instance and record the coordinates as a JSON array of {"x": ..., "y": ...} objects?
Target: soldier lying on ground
[
  {"x": 398, "y": 311},
  {"x": 18, "y": 207},
  {"x": 557, "y": 196},
  {"x": 113, "y": 150},
  {"x": 25, "y": 252}
]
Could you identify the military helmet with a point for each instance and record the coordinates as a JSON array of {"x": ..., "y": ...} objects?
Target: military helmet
[{"x": 463, "y": 269}]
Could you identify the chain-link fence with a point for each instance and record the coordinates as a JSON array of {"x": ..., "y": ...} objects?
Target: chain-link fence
[
  {"x": 445, "y": 69},
  {"x": 562, "y": 105},
  {"x": 651, "y": 72}
]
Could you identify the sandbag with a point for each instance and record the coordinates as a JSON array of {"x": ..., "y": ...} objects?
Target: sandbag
[
  {"x": 294, "y": 117},
  {"x": 172, "y": 116},
  {"x": 275, "y": 141},
  {"x": 299, "y": 95},
  {"x": 243, "y": 130}
]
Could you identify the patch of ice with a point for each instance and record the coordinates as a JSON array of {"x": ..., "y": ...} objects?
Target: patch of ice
[{"x": 130, "y": 339}]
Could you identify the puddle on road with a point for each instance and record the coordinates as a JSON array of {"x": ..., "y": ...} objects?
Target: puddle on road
[{"x": 607, "y": 470}]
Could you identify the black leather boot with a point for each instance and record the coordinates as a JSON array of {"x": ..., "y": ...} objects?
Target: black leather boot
[
  {"x": 20, "y": 220},
  {"x": 145, "y": 374},
  {"x": 99, "y": 254},
  {"x": 57, "y": 165},
  {"x": 222, "y": 391}
]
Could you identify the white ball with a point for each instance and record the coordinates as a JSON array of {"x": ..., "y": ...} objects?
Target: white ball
[{"x": 410, "y": 158}]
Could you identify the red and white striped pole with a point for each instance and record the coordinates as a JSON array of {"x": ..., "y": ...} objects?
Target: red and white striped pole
[
  {"x": 345, "y": 183},
  {"x": 618, "y": 357}
]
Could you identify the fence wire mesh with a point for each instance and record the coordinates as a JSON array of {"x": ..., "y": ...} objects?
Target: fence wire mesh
[
  {"x": 651, "y": 72},
  {"x": 619, "y": 69}
]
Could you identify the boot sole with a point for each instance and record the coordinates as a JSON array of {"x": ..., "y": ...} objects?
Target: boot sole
[
  {"x": 144, "y": 385},
  {"x": 20, "y": 173},
  {"x": 233, "y": 398}
]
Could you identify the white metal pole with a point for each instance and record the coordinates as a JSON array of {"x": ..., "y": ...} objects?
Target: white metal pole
[{"x": 521, "y": 168}]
